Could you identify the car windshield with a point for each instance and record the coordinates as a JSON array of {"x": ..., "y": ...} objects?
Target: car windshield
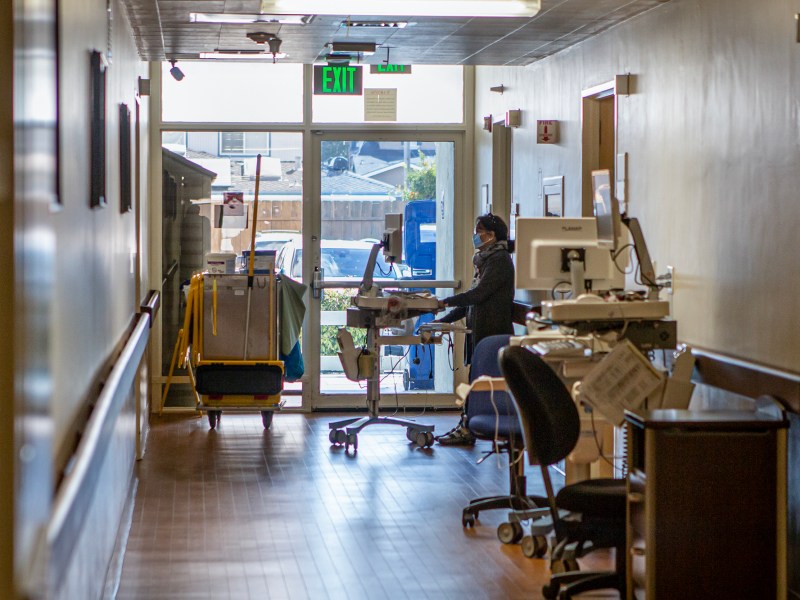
[{"x": 345, "y": 262}]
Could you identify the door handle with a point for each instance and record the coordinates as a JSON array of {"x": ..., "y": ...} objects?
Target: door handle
[{"x": 318, "y": 282}]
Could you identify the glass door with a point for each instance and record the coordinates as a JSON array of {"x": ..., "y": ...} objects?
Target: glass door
[{"x": 360, "y": 180}]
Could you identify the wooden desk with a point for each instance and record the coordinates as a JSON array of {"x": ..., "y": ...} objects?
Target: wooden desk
[{"x": 706, "y": 505}]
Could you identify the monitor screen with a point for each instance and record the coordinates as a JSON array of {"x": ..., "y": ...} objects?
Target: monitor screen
[
  {"x": 606, "y": 210},
  {"x": 540, "y": 246}
]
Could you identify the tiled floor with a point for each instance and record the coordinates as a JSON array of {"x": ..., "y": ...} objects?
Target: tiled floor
[{"x": 242, "y": 513}]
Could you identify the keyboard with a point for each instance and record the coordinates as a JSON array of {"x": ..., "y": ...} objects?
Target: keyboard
[
  {"x": 576, "y": 310},
  {"x": 560, "y": 349}
]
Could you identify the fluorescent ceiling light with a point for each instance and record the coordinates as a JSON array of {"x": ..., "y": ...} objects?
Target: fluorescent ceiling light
[
  {"x": 235, "y": 55},
  {"x": 243, "y": 18},
  {"x": 375, "y": 24},
  {"x": 353, "y": 47},
  {"x": 405, "y": 8}
]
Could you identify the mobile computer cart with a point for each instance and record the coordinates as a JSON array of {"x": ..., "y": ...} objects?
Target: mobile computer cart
[{"x": 231, "y": 349}]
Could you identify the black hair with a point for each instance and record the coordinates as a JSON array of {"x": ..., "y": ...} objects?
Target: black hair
[{"x": 495, "y": 224}]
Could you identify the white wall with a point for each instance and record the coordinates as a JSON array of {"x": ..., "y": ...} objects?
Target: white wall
[
  {"x": 711, "y": 131},
  {"x": 97, "y": 287}
]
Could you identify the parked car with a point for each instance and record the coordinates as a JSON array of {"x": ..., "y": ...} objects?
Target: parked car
[
  {"x": 274, "y": 240},
  {"x": 341, "y": 259}
]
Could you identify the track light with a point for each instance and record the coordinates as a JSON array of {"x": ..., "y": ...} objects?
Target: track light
[{"x": 176, "y": 73}]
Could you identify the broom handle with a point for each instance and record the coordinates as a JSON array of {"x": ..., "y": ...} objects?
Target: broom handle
[{"x": 251, "y": 267}]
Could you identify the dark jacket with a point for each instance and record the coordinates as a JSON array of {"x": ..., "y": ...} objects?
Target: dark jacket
[{"x": 489, "y": 305}]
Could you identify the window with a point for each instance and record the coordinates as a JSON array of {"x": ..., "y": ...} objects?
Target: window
[
  {"x": 250, "y": 143},
  {"x": 233, "y": 92}
]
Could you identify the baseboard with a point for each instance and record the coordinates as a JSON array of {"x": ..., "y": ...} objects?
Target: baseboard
[{"x": 114, "y": 572}]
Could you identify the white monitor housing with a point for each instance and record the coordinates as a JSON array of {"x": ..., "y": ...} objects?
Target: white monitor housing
[
  {"x": 392, "y": 239},
  {"x": 554, "y": 251},
  {"x": 606, "y": 210}
]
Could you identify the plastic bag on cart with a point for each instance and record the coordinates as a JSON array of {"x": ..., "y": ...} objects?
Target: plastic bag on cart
[{"x": 293, "y": 366}]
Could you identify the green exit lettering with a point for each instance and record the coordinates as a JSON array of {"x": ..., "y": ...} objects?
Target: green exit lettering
[
  {"x": 390, "y": 68},
  {"x": 338, "y": 80}
]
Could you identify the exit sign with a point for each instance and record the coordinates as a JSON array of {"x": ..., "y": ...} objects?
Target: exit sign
[
  {"x": 338, "y": 80},
  {"x": 393, "y": 69}
]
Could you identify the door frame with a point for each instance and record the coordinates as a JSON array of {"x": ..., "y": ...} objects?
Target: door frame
[{"x": 313, "y": 398}]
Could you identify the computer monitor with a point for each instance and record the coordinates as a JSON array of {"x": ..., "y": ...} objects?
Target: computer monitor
[
  {"x": 544, "y": 246},
  {"x": 392, "y": 238},
  {"x": 606, "y": 210}
]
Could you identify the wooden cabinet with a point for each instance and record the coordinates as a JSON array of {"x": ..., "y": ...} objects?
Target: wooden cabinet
[{"x": 706, "y": 505}]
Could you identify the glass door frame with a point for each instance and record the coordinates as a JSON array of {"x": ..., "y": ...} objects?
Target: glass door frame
[{"x": 313, "y": 397}]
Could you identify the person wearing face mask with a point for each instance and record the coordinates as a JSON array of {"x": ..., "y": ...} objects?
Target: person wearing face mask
[{"x": 488, "y": 306}]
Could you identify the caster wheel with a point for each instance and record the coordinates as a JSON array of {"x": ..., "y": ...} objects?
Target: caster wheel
[
  {"x": 429, "y": 439},
  {"x": 421, "y": 439},
  {"x": 467, "y": 519},
  {"x": 410, "y": 435},
  {"x": 341, "y": 437},
  {"x": 332, "y": 436},
  {"x": 213, "y": 418},
  {"x": 266, "y": 418},
  {"x": 534, "y": 546},
  {"x": 509, "y": 533},
  {"x": 352, "y": 440},
  {"x": 565, "y": 565},
  {"x": 550, "y": 591}
]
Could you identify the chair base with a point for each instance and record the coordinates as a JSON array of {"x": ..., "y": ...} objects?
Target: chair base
[
  {"x": 510, "y": 503},
  {"x": 566, "y": 585}
]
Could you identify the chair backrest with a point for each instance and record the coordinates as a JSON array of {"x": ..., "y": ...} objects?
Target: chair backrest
[
  {"x": 484, "y": 362},
  {"x": 550, "y": 421}
]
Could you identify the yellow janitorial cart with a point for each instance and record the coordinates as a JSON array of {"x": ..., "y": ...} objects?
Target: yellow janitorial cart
[{"x": 230, "y": 338}]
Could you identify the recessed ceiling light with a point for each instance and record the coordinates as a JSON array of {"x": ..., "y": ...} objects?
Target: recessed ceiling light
[
  {"x": 405, "y": 8},
  {"x": 243, "y": 18}
]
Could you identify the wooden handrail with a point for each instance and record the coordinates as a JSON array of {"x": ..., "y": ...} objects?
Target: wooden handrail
[{"x": 746, "y": 378}]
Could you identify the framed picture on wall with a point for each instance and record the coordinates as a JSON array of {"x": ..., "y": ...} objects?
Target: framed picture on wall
[
  {"x": 553, "y": 194},
  {"x": 97, "y": 182},
  {"x": 125, "y": 191}
]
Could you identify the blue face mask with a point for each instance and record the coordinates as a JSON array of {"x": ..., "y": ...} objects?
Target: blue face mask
[{"x": 476, "y": 240}]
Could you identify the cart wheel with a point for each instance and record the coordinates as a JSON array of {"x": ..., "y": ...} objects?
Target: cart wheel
[
  {"x": 266, "y": 418},
  {"x": 509, "y": 533},
  {"x": 332, "y": 436},
  {"x": 429, "y": 439},
  {"x": 467, "y": 519},
  {"x": 341, "y": 437},
  {"x": 410, "y": 434},
  {"x": 534, "y": 546},
  {"x": 352, "y": 440},
  {"x": 212, "y": 419}
]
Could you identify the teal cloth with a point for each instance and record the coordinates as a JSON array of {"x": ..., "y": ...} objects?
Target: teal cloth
[{"x": 293, "y": 311}]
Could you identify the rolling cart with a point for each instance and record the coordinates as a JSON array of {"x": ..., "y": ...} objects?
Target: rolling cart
[
  {"x": 231, "y": 349},
  {"x": 229, "y": 341}
]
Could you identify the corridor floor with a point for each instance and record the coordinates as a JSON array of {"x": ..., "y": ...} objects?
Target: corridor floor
[{"x": 241, "y": 512}]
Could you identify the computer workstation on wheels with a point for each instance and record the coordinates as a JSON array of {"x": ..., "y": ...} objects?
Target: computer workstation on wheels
[{"x": 376, "y": 310}]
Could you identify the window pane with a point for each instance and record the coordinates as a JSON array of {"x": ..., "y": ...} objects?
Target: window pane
[
  {"x": 233, "y": 92},
  {"x": 430, "y": 94}
]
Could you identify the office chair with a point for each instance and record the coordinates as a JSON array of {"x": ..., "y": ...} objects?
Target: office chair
[
  {"x": 596, "y": 507},
  {"x": 491, "y": 416}
]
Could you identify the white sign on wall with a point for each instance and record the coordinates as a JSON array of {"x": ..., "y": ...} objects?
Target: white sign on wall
[
  {"x": 546, "y": 132},
  {"x": 380, "y": 104}
]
